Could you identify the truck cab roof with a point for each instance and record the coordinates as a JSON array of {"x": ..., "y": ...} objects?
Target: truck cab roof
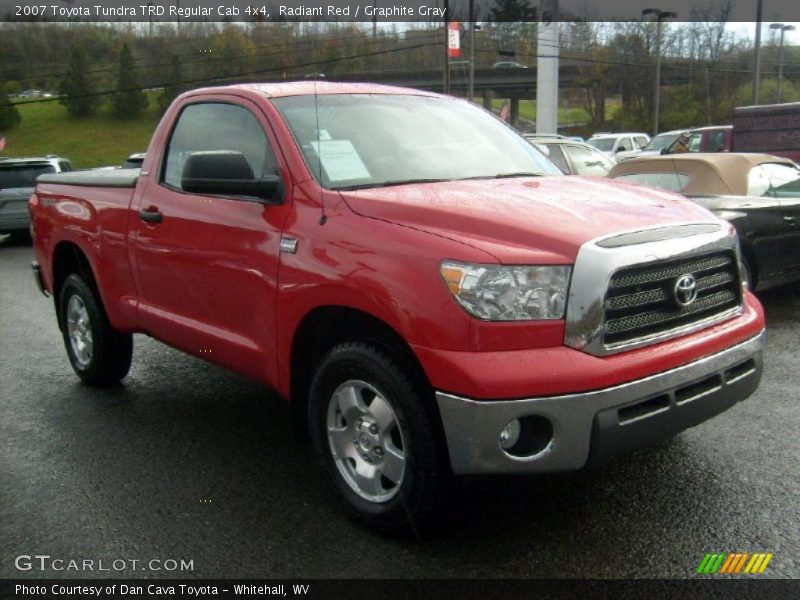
[{"x": 307, "y": 87}]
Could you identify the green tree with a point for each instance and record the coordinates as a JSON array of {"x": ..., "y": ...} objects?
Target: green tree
[
  {"x": 9, "y": 115},
  {"x": 513, "y": 10},
  {"x": 129, "y": 101},
  {"x": 174, "y": 86},
  {"x": 77, "y": 89}
]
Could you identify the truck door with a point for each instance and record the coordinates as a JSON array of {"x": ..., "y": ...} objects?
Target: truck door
[{"x": 207, "y": 265}]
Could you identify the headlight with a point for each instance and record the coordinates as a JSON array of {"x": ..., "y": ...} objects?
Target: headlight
[{"x": 509, "y": 293}]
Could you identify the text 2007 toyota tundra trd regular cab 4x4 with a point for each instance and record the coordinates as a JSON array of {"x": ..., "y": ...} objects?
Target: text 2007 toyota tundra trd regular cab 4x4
[{"x": 422, "y": 285}]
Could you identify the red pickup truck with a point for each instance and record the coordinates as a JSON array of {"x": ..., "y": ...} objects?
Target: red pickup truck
[{"x": 418, "y": 281}]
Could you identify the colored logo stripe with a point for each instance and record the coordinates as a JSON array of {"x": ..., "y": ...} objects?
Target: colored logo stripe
[
  {"x": 758, "y": 563},
  {"x": 711, "y": 563},
  {"x": 723, "y": 563}
]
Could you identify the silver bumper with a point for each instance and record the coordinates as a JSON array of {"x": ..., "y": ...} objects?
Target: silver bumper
[{"x": 594, "y": 426}]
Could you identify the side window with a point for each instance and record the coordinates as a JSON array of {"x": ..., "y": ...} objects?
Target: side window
[
  {"x": 694, "y": 142},
  {"x": 557, "y": 158},
  {"x": 674, "y": 182},
  {"x": 624, "y": 144},
  {"x": 641, "y": 141},
  {"x": 716, "y": 141},
  {"x": 64, "y": 166},
  {"x": 217, "y": 126},
  {"x": 774, "y": 180},
  {"x": 587, "y": 162}
]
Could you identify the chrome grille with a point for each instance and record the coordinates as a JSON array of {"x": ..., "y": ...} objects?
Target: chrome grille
[{"x": 642, "y": 300}]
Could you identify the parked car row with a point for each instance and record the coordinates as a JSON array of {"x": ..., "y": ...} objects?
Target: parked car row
[
  {"x": 625, "y": 146},
  {"x": 771, "y": 129}
]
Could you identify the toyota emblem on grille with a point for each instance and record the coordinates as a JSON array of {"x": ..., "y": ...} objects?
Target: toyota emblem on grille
[{"x": 685, "y": 290}]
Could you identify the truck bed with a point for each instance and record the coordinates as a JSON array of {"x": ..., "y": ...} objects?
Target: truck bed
[{"x": 116, "y": 178}]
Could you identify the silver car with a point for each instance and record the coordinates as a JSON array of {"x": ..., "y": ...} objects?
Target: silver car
[{"x": 17, "y": 180}]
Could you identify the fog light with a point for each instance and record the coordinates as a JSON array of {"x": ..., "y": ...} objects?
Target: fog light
[
  {"x": 510, "y": 434},
  {"x": 527, "y": 436}
]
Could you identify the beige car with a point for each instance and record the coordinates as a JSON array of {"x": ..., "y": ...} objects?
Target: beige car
[{"x": 758, "y": 193}]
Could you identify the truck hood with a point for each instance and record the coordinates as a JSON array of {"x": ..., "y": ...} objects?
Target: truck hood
[{"x": 538, "y": 219}]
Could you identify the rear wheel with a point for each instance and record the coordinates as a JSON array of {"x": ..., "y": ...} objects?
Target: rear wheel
[
  {"x": 375, "y": 436},
  {"x": 98, "y": 353}
]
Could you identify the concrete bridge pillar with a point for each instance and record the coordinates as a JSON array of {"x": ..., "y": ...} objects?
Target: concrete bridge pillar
[
  {"x": 488, "y": 95},
  {"x": 514, "y": 116}
]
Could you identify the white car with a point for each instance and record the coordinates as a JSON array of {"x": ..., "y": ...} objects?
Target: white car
[
  {"x": 654, "y": 147},
  {"x": 611, "y": 144}
]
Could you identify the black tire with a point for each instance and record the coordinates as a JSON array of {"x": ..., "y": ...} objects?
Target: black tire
[
  {"x": 426, "y": 477},
  {"x": 109, "y": 359}
]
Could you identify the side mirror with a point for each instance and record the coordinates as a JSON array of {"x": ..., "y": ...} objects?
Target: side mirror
[
  {"x": 664, "y": 151},
  {"x": 227, "y": 173}
]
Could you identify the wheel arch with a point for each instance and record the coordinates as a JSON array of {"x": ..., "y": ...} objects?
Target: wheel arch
[
  {"x": 324, "y": 327},
  {"x": 68, "y": 258}
]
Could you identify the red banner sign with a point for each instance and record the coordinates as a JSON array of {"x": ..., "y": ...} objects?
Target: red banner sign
[{"x": 453, "y": 39}]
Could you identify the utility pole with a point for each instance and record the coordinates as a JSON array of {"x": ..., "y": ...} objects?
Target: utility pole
[
  {"x": 661, "y": 16},
  {"x": 446, "y": 47},
  {"x": 547, "y": 68},
  {"x": 757, "y": 69},
  {"x": 783, "y": 29}
]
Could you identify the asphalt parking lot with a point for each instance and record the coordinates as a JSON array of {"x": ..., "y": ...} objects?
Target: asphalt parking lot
[{"x": 187, "y": 461}]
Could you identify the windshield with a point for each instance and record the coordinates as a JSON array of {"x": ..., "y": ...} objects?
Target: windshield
[
  {"x": 661, "y": 141},
  {"x": 22, "y": 176},
  {"x": 603, "y": 144},
  {"x": 774, "y": 179},
  {"x": 371, "y": 140}
]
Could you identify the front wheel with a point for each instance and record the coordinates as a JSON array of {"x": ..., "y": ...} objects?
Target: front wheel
[
  {"x": 98, "y": 353},
  {"x": 375, "y": 436}
]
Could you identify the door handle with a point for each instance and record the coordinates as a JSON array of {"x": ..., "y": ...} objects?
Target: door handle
[
  {"x": 788, "y": 219},
  {"x": 151, "y": 215}
]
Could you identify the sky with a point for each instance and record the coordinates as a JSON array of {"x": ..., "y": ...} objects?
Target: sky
[{"x": 791, "y": 38}]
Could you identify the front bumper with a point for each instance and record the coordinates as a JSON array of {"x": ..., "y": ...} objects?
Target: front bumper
[{"x": 592, "y": 427}]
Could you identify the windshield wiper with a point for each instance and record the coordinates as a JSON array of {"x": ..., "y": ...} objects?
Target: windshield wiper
[
  {"x": 362, "y": 186},
  {"x": 504, "y": 175}
]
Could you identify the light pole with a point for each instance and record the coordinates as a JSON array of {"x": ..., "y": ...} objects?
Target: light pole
[
  {"x": 757, "y": 54},
  {"x": 783, "y": 29},
  {"x": 661, "y": 15}
]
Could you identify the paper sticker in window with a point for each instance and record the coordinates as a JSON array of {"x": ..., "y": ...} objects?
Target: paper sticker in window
[{"x": 340, "y": 160}]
